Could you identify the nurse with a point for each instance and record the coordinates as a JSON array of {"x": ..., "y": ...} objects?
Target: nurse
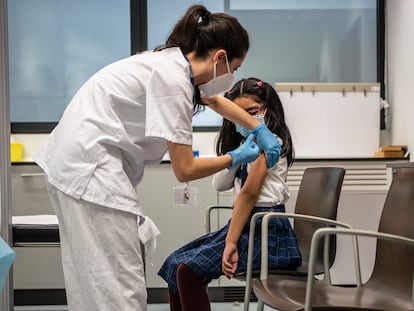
[{"x": 128, "y": 115}]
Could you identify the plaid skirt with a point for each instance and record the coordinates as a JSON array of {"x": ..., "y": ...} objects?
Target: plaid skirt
[{"x": 204, "y": 255}]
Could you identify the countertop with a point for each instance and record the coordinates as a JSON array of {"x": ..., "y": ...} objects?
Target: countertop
[{"x": 393, "y": 162}]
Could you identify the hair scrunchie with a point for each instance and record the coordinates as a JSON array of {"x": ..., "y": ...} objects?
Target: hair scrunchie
[{"x": 203, "y": 19}]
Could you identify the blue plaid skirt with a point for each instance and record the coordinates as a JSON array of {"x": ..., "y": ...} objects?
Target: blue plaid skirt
[{"x": 204, "y": 255}]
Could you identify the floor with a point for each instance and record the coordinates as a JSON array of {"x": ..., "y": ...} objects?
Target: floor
[{"x": 151, "y": 307}]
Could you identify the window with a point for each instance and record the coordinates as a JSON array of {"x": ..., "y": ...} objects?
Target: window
[
  {"x": 55, "y": 45},
  {"x": 291, "y": 41}
]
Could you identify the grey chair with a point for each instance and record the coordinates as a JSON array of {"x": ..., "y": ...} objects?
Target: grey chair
[
  {"x": 390, "y": 286},
  {"x": 316, "y": 207}
]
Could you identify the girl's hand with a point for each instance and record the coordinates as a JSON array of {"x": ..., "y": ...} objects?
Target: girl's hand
[
  {"x": 268, "y": 142},
  {"x": 230, "y": 259}
]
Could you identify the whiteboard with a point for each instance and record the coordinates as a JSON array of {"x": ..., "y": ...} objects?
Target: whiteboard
[{"x": 332, "y": 120}]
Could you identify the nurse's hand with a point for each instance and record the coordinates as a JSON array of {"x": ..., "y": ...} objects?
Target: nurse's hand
[
  {"x": 247, "y": 152},
  {"x": 268, "y": 143}
]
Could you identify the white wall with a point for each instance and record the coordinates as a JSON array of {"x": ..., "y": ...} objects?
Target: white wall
[{"x": 400, "y": 27}]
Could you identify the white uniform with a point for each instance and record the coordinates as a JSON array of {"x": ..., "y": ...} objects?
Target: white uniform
[{"x": 117, "y": 122}]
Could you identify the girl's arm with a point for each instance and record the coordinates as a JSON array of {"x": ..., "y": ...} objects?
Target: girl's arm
[
  {"x": 231, "y": 111},
  {"x": 224, "y": 179},
  {"x": 243, "y": 206},
  {"x": 247, "y": 198}
]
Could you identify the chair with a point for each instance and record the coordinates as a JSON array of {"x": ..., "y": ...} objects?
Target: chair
[
  {"x": 390, "y": 286},
  {"x": 318, "y": 196},
  {"x": 317, "y": 200}
]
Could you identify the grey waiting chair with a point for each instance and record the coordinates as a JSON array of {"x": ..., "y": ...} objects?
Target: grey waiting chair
[
  {"x": 316, "y": 206},
  {"x": 390, "y": 286}
]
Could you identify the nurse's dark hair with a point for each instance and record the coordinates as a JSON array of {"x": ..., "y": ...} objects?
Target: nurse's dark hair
[
  {"x": 260, "y": 92},
  {"x": 200, "y": 31}
]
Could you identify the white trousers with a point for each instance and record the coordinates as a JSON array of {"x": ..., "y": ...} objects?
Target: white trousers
[{"x": 101, "y": 256}]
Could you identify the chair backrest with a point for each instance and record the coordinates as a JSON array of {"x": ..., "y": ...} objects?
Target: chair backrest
[
  {"x": 318, "y": 195},
  {"x": 394, "y": 262}
]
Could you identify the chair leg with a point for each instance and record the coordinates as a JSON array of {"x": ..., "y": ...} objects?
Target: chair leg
[
  {"x": 260, "y": 306},
  {"x": 247, "y": 294}
]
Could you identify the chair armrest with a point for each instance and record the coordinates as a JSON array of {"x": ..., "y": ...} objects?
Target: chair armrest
[
  {"x": 209, "y": 209},
  {"x": 249, "y": 267},
  {"x": 326, "y": 221},
  {"x": 325, "y": 232}
]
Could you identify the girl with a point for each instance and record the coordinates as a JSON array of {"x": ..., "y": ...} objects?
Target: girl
[
  {"x": 124, "y": 117},
  {"x": 255, "y": 189}
]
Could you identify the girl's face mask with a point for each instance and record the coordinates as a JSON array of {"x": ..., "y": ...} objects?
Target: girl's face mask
[
  {"x": 218, "y": 84},
  {"x": 246, "y": 132}
]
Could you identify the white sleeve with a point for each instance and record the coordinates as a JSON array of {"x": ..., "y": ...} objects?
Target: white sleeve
[
  {"x": 224, "y": 180},
  {"x": 169, "y": 101}
]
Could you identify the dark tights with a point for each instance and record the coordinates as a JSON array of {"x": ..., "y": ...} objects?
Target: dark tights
[{"x": 192, "y": 293}]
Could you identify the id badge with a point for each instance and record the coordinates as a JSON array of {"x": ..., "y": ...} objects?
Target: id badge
[{"x": 186, "y": 195}]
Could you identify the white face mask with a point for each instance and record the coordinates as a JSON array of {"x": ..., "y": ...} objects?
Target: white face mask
[
  {"x": 246, "y": 132},
  {"x": 218, "y": 84}
]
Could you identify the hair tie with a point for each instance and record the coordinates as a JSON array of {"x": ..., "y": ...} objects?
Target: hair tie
[
  {"x": 203, "y": 19},
  {"x": 259, "y": 83}
]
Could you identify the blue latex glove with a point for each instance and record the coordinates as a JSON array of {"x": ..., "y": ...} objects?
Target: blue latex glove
[
  {"x": 247, "y": 152},
  {"x": 268, "y": 143}
]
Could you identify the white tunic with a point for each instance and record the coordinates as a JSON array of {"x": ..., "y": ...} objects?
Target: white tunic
[{"x": 118, "y": 122}]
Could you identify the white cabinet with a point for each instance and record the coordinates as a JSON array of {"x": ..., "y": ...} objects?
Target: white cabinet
[
  {"x": 35, "y": 267},
  {"x": 363, "y": 194},
  {"x": 29, "y": 195}
]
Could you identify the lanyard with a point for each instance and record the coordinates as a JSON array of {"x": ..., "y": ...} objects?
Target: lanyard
[{"x": 191, "y": 78}]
